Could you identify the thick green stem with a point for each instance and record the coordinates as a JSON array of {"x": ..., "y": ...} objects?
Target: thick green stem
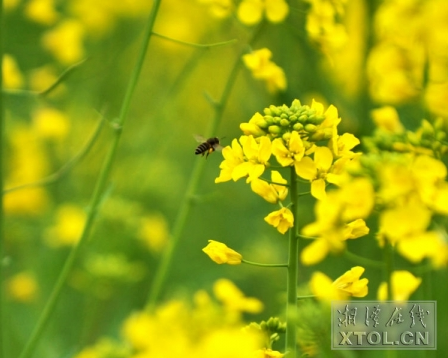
[
  {"x": 293, "y": 266},
  {"x": 96, "y": 196}
]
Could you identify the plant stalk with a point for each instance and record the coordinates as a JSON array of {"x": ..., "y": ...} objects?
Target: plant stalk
[
  {"x": 293, "y": 268},
  {"x": 97, "y": 194},
  {"x": 2, "y": 146}
]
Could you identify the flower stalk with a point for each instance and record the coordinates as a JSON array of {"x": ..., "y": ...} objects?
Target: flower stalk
[
  {"x": 293, "y": 263},
  {"x": 2, "y": 120},
  {"x": 97, "y": 194}
]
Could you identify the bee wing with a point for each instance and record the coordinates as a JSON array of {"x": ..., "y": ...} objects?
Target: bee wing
[
  {"x": 218, "y": 147},
  {"x": 199, "y": 138}
]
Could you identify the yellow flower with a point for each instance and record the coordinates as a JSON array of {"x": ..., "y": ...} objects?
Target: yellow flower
[
  {"x": 269, "y": 191},
  {"x": 250, "y": 12},
  {"x": 221, "y": 254},
  {"x": 42, "y": 11},
  {"x": 290, "y": 155},
  {"x": 386, "y": 119},
  {"x": 248, "y": 161},
  {"x": 344, "y": 145},
  {"x": 253, "y": 126},
  {"x": 343, "y": 287},
  {"x": 262, "y": 68},
  {"x": 316, "y": 171},
  {"x": 233, "y": 156},
  {"x": 350, "y": 283},
  {"x": 22, "y": 287},
  {"x": 282, "y": 219},
  {"x": 233, "y": 299},
  {"x": 267, "y": 353},
  {"x": 69, "y": 225},
  {"x": 219, "y": 8},
  {"x": 154, "y": 232},
  {"x": 404, "y": 284},
  {"x": 51, "y": 123},
  {"x": 12, "y": 77},
  {"x": 355, "y": 229},
  {"x": 65, "y": 42}
]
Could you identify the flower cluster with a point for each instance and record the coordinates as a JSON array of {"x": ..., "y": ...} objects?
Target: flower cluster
[{"x": 301, "y": 137}]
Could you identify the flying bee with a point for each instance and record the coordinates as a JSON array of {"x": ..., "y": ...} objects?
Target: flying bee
[{"x": 207, "y": 146}]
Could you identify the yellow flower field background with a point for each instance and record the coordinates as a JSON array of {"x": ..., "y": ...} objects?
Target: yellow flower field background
[{"x": 329, "y": 181}]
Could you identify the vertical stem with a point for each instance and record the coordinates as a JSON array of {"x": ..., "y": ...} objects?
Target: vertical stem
[
  {"x": 2, "y": 218},
  {"x": 389, "y": 261},
  {"x": 96, "y": 196},
  {"x": 291, "y": 308}
]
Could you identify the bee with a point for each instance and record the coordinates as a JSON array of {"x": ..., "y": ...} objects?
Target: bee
[{"x": 207, "y": 146}]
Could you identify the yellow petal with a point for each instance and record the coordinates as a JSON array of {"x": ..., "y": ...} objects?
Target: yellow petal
[
  {"x": 250, "y": 12},
  {"x": 306, "y": 168}
]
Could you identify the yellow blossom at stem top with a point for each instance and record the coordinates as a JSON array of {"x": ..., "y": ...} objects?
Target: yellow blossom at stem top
[
  {"x": 271, "y": 192},
  {"x": 291, "y": 154},
  {"x": 250, "y": 12},
  {"x": 221, "y": 254},
  {"x": 282, "y": 219}
]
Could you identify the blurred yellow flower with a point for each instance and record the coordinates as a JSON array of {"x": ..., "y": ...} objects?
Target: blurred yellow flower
[
  {"x": 22, "y": 287},
  {"x": 290, "y": 155},
  {"x": 68, "y": 227},
  {"x": 349, "y": 284},
  {"x": 250, "y": 12},
  {"x": 262, "y": 68},
  {"x": 404, "y": 285},
  {"x": 65, "y": 41},
  {"x": 233, "y": 299},
  {"x": 267, "y": 353},
  {"x": 42, "y": 11},
  {"x": 10, "y": 4},
  {"x": 219, "y": 8},
  {"x": 43, "y": 77},
  {"x": 51, "y": 123},
  {"x": 282, "y": 219},
  {"x": 153, "y": 231},
  {"x": 27, "y": 201},
  {"x": 386, "y": 119},
  {"x": 246, "y": 160},
  {"x": 12, "y": 77},
  {"x": 271, "y": 192},
  {"x": 221, "y": 254}
]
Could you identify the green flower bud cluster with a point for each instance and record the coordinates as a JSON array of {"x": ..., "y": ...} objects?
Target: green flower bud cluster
[
  {"x": 280, "y": 121},
  {"x": 429, "y": 138},
  {"x": 273, "y": 327}
]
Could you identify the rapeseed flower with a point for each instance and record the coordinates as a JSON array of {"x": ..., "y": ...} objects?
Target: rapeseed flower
[
  {"x": 248, "y": 159},
  {"x": 271, "y": 192},
  {"x": 153, "y": 231},
  {"x": 221, "y": 254},
  {"x": 404, "y": 284},
  {"x": 233, "y": 298},
  {"x": 250, "y": 12},
  {"x": 349, "y": 284},
  {"x": 262, "y": 68},
  {"x": 68, "y": 226},
  {"x": 22, "y": 287},
  {"x": 12, "y": 77},
  {"x": 51, "y": 123},
  {"x": 290, "y": 154},
  {"x": 42, "y": 11},
  {"x": 219, "y": 8},
  {"x": 282, "y": 219}
]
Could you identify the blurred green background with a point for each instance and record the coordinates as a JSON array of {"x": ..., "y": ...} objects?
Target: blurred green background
[{"x": 156, "y": 156}]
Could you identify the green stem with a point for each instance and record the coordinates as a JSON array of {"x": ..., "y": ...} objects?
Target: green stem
[
  {"x": 263, "y": 265},
  {"x": 187, "y": 202},
  {"x": 2, "y": 146},
  {"x": 96, "y": 196},
  {"x": 305, "y": 297},
  {"x": 293, "y": 265},
  {"x": 192, "y": 44},
  {"x": 388, "y": 268},
  {"x": 363, "y": 260}
]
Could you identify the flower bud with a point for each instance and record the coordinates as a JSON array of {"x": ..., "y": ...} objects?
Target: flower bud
[
  {"x": 284, "y": 122},
  {"x": 310, "y": 128},
  {"x": 274, "y": 130},
  {"x": 298, "y": 126}
]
